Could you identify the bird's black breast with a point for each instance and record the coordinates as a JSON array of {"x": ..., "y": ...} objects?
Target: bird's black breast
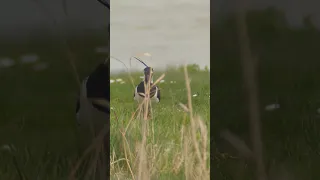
[
  {"x": 98, "y": 85},
  {"x": 141, "y": 89}
]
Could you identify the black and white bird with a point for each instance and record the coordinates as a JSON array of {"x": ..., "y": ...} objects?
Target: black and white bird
[
  {"x": 93, "y": 109},
  {"x": 93, "y": 116},
  {"x": 140, "y": 92}
]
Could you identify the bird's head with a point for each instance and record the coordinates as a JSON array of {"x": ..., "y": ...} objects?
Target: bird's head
[{"x": 148, "y": 73}]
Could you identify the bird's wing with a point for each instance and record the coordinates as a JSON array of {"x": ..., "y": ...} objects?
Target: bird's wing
[
  {"x": 153, "y": 91},
  {"x": 140, "y": 89}
]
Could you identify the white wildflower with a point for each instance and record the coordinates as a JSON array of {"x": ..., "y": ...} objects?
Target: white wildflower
[
  {"x": 29, "y": 58},
  {"x": 272, "y": 107},
  {"x": 118, "y": 80},
  {"x": 6, "y": 62}
]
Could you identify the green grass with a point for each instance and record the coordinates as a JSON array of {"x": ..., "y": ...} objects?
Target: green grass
[
  {"x": 163, "y": 146},
  {"x": 37, "y": 108},
  {"x": 288, "y": 71},
  {"x": 37, "y": 113}
]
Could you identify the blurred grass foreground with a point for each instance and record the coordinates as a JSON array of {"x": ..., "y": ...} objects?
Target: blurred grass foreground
[
  {"x": 288, "y": 67},
  {"x": 38, "y": 95}
]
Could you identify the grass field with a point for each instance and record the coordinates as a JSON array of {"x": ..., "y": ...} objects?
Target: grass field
[
  {"x": 37, "y": 109},
  {"x": 37, "y": 113},
  {"x": 37, "y": 119},
  {"x": 166, "y": 139},
  {"x": 287, "y": 71}
]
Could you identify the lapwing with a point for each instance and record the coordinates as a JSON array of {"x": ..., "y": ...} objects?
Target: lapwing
[
  {"x": 140, "y": 90},
  {"x": 146, "y": 89},
  {"x": 93, "y": 110}
]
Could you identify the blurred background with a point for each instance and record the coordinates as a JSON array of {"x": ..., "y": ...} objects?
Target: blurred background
[
  {"x": 38, "y": 40},
  {"x": 284, "y": 39},
  {"x": 294, "y": 10}
]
